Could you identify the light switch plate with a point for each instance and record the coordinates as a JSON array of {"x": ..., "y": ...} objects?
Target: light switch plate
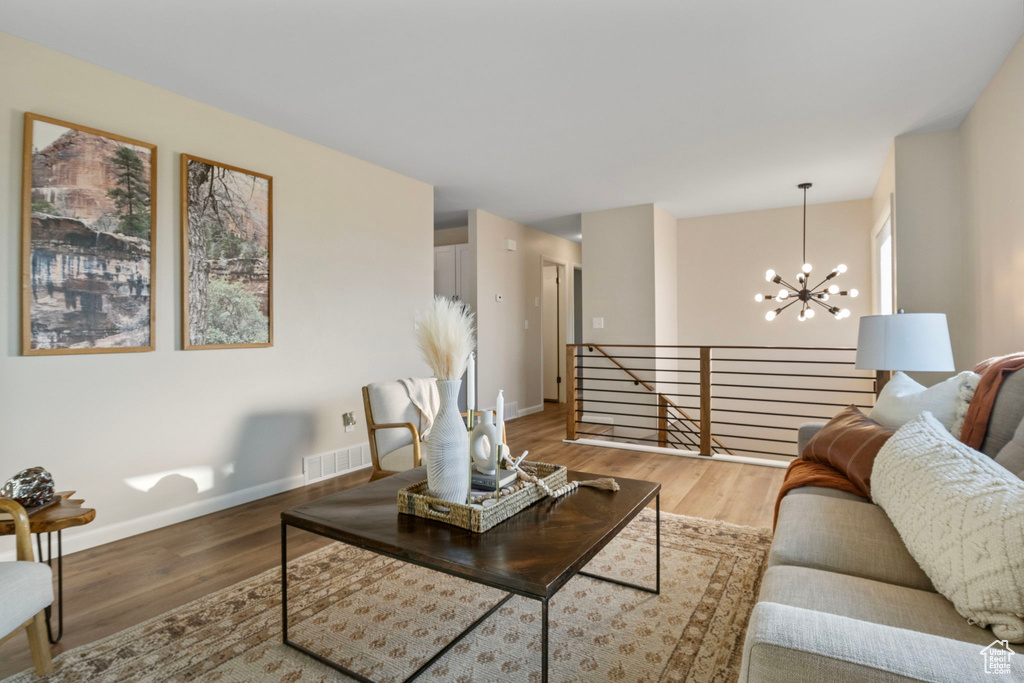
[
  {"x": 598, "y": 323},
  {"x": 526, "y": 324},
  {"x": 536, "y": 302}
]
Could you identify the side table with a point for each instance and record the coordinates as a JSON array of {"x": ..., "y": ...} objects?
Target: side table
[{"x": 56, "y": 518}]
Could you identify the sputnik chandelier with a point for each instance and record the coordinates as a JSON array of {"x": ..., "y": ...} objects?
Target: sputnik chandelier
[{"x": 805, "y": 294}]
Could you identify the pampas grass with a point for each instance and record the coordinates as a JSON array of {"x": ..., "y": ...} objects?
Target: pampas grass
[{"x": 444, "y": 334}]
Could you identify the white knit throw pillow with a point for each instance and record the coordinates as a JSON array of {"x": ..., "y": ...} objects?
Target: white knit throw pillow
[{"x": 961, "y": 515}]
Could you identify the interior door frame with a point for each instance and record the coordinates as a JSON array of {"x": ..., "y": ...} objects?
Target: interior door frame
[{"x": 566, "y": 294}]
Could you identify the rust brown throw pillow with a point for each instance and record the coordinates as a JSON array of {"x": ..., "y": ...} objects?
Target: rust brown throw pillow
[{"x": 849, "y": 443}]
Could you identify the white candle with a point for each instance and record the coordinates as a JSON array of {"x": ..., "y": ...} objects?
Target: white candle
[
  {"x": 471, "y": 384},
  {"x": 499, "y": 411}
]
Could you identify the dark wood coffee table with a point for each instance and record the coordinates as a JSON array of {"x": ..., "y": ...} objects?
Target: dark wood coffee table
[{"x": 533, "y": 554}]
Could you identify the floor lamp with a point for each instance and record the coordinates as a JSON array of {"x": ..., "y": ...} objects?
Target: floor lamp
[{"x": 911, "y": 342}]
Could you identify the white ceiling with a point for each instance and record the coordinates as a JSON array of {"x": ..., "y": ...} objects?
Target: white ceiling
[{"x": 538, "y": 110}]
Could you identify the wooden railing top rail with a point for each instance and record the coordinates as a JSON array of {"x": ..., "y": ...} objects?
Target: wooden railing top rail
[{"x": 717, "y": 346}]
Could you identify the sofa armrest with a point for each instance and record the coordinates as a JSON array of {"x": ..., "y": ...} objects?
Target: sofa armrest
[
  {"x": 787, "y": 644},
  {"x": 805, "y": 433}
]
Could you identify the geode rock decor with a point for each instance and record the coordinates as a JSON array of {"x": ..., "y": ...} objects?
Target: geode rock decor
[{"x": 30, "y": 487}]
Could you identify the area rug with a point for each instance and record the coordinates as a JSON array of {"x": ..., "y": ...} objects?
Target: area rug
[{"x": 384, "y": 618}]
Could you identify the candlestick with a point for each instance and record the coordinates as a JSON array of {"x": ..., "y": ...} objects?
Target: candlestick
[
  {"x": 499, "y": 413},
  {"x": 471, "y": 384}
]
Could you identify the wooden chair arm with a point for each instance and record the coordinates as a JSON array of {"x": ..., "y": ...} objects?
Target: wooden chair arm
[
  {"x": 416, "y": 458},
  {"x": 22, "y": 534}
]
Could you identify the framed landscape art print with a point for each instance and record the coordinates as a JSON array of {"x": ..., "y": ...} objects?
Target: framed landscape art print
[
  {"x": 88, "y": 240},
  {"x": 227, "y": 256}
]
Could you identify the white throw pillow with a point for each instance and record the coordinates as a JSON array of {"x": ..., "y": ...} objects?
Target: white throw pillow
[
  {"x": 903, "y": 399},
  {"x": 961, "y": 515}
]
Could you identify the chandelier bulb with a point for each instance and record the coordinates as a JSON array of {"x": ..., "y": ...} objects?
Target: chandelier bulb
[
  {"x": 845, "y": 312},
  {"x": 783, "y": 294},
  {"x": 854, "y": 293},
  {"x": 841, "y": 268},
  {"x": 770, "y": 315},
  {"x": 801, "y": 317},
  {"x": 759, "y": 298},
  {"x": 807, "y": 268},
  {"x": 834, "y": 289},
  {"x": 770, "y": 275},
  {"x": 809, "y": 313}
]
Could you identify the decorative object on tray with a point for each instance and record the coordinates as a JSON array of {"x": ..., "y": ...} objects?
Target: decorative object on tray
[
  {"x": 444, "y": 334},
  {"x": 30, "y": 488},
  {"x": 483, "y": 441}
]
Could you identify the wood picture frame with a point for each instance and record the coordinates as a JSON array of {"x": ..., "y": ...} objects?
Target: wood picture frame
[
  {"x": 88, "y": 281},
  {"x": 227, "y": 213}
]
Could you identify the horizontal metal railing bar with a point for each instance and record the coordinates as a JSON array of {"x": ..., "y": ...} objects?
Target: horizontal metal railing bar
[
  {"x": 751, "y": 450},
  {"x": 758, "y": 412},
  {"x": 645, "y": 427},
  {"x": 633, "y": 381},
  {"x": 761, "y": 386},
  {"x": 626, "y": 403},
  {"x": 715, "y": 346},
  {"x": 754, "y": 438},
  {"x": 626, "y": 438},
  {"x": 790, "y": 374},
  {"x": 782, "y": 360},
  {"x": 747, "y": 424},
  {"x": 617, "y": 369},
  {"x": 652, "y": 394},
  {"x": 786, "y": 400},
  {"x": 580, "y": 411},
  {"x": 587, "y": 356}
]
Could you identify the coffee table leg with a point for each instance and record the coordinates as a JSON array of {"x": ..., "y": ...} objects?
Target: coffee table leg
[
  {"x": 657, "y": 558},
  {"x": 544, "y": 641},
  {"x": 284, "y": 582}
]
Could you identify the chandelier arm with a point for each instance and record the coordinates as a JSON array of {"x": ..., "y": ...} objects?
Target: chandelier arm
[
  {"x": 805, "y": 225},
  {"x": 821, "y": 303},
  {"x": 827, "y": 278},
  {"x": 788, "y": 305},
  {"x": 783, "y": 282}
]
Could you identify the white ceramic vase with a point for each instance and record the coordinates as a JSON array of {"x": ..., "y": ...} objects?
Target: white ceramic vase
[{"x": 446, "y": 449}]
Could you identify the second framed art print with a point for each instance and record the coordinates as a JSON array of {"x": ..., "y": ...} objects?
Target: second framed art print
[{"x": 227, "y": 295}]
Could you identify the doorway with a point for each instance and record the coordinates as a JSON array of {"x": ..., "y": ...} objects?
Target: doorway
[{"x": 552, "y": 340}]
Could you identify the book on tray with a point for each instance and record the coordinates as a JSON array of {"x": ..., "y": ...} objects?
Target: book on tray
[{"x": 485, "y": 482}]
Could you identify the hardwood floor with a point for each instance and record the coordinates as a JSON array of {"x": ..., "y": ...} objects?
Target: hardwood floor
[{"x": 114, "y": 586}]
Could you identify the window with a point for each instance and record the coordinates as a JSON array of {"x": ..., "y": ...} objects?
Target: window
[{"x": 884, "y": 278}]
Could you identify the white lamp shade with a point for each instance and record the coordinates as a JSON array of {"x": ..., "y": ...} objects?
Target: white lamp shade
[{"x": 914, "y": 342}]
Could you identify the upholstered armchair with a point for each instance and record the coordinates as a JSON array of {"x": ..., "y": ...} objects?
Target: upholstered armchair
[
  {"x": 26, "y": 589},
  {"x": 393, "y": 424}
]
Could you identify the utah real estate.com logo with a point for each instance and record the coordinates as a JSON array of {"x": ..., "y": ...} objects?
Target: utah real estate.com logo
[{"x": 997, "y": 657}]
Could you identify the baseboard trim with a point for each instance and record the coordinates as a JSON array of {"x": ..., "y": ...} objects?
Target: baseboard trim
[
  {"x": 718, "y": 457},
  {"x": 531, "y": 410},
  {"x": 88, "y": 537}
]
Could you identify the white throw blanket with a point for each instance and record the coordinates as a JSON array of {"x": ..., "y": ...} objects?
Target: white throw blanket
[{"x": 423, "y": 394}]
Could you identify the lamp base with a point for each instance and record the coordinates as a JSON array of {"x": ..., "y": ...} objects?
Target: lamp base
[{"x": 882, "y": 378}]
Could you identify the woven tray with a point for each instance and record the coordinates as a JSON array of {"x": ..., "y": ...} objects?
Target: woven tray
[{"x": 413, "y": 500}]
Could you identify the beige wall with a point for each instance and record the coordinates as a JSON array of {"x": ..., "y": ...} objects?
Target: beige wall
[
  {"x": 931, "y": 262},
  {"x": 666, "y": 278},
  {"x": 618, "y": 275},
  {"x": 992, "y": 173},
  {"x": 722, "y": 261},
  {"x": 352, "y": 250},
  {"x": 446, "y": 236},
  {"x": 509, "y": 355},
  {"x": 884, "y": 188}
]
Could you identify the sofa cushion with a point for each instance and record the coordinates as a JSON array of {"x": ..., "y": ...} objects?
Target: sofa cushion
[
  {"x": 25, "y": 588},
  {"x": 1012, "y": 454},
  {"x": 902, "y": 399},
  {"x": 792, "y": 645},
  {"x": 828, "y": 493},
  {"x": 961, "y": 515},
  {"x": 873, "y": 601},
  {"x": 1007, "y": 414},
  {"x": 822, "y": 532},
  {"x": 848, "y": 444}
]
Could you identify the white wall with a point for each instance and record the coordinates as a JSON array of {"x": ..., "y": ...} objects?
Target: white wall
[
  {"x": 666, "y": 277},
  {"x": 509, "y": 355},
  {"x": 722, "y": 261},
  {"x": 992, "y": 173},
  {"x": 352, "y": 250}
]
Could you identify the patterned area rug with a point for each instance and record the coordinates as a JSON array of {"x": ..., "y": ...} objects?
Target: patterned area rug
[{"x": 384, "y": 618}]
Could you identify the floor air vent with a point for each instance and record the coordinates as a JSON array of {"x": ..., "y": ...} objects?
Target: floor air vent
[{"x": 335, "y": 463}]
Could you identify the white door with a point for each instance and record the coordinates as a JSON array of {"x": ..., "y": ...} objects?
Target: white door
[{"x": 444, "y": 271}]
